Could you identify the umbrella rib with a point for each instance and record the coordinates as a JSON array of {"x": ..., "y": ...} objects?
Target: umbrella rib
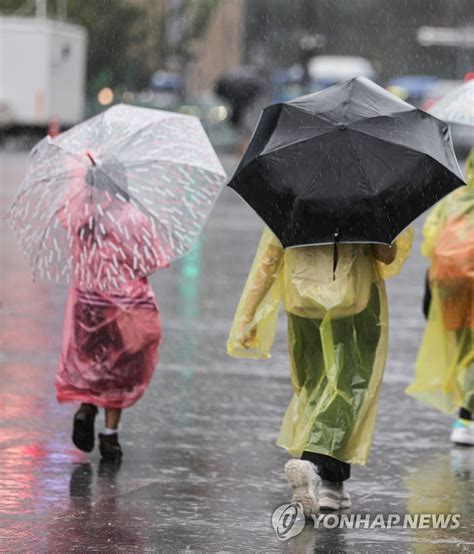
[
  {"x": 60, "y": 208},
  {"x": 360, "y": 131},
  {"x": 346, "y": 102},
  {"x": 321, "y": 115},
  {"x": 359, "y": 166},
  {"x": 25, "y": 190},
  {"x": 379, "y": 158},
  {"x": 40, "y": 247},
  {"x": 254, "y": 209},
  {"x": 126, "y": 138},
  {"x": 380, "y": 116},
  {"x": 421, "y": 156},
  {"x": 396, "y": 144},
  {"x": 143, "y": 208},
  {"x": 374, "y": 118},
  {"x": 313, "y": 179},
  {"x": 364, "y": 176},
  {"x": 121, "y": 142},
  {"x": 73, "y": 154},
  {"x": 407, "y": 184},
  {"x": 156, "y": 160},
  {"x": 294, "y": 143}
]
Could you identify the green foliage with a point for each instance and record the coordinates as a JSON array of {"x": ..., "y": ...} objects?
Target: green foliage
[
  {"x": 10, "y": 6},
  {"x": 197, "y": 14},
  {"x": 113, "y": 33}
]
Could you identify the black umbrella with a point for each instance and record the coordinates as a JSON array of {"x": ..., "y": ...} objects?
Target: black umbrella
[
  {"x": 352, "y": 163},
  {"x": 239, "y": 87}
]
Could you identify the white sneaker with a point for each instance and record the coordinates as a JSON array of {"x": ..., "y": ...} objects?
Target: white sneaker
[
  {"x": 303, "y": 479},
  {"x": 333, "y": 497},
  {"x": 463, "y": 432}
]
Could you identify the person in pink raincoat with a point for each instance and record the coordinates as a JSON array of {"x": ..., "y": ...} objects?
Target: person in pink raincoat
[{"x": 111, "y": 337}]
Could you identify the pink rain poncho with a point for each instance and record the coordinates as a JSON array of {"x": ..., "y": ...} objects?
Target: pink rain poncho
[
  {"x": 110, "y": 338},
  {"x": 110, "y": 346}
]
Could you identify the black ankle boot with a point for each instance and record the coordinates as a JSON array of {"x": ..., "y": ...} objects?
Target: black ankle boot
[
  {"x": 83, "y": 427},
  {"x": 110, "y": 448}
]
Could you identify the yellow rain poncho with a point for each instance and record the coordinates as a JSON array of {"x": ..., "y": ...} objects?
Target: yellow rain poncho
[
  {"x": 445, "y": 362},
  {"x": 337, "y": 338}
]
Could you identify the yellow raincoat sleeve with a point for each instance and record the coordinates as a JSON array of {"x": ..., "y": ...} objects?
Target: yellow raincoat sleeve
[
  {"x": 255, "y": 322},
  {"x": 404, "y": 244}
]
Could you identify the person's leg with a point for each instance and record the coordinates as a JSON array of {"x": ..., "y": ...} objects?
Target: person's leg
[
  {"x": 301, "y": 474},
  {"x": 462, "y": 431},
  {"x": 465, "y": 342},
  {"x": 310, "y": 379},
  {"x": 353, "y": 342},
  {"x": 328, "y": 468},
  {"x": 112, "y": 418},
  {"x": 332, "y": 472},
  {"x": 83, "y": 427},
  {"x": 109, "y": 446},
  {"x": 463, "y": 428}
]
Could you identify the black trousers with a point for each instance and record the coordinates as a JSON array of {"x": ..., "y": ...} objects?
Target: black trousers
[{"x": 328, "y": 468}]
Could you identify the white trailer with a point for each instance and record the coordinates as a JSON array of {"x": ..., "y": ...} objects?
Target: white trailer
[{"x": 42, "y": 72}]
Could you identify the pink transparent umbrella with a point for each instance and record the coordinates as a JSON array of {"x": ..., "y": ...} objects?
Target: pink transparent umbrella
[{"x": 116, "y": 197}]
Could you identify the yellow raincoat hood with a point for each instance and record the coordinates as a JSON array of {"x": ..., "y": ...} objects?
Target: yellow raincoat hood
[{"x": 302, "y": 278}]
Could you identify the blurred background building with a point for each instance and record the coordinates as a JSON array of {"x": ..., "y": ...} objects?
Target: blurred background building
[{"x": 176, "y": 54}]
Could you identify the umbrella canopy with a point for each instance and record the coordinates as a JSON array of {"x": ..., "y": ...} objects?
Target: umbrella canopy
[
  {"x": 116, "y": 197},
  {"x": 242, "y": 84},
  {"x": 240, "y": 87},
  {"x": 351, "y": 163},
  {"x": 457, "y": 106}
]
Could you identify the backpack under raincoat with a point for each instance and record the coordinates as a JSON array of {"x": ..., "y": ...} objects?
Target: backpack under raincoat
[
  {"x": 445, "y": 362},
  {"x": 337, "y": 335}
]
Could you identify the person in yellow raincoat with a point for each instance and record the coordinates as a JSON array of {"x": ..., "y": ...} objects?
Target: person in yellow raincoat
[
  {"x": 337, "y": 340},
  {"x": 445, "y": 362}
]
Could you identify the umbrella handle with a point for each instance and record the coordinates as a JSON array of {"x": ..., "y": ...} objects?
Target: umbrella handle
[
  {"x": 91, "y": 158},
  {"x": 336, "y": 254}
]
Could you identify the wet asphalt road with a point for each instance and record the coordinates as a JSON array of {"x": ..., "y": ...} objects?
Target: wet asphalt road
[{"x": 201, "y": 471}]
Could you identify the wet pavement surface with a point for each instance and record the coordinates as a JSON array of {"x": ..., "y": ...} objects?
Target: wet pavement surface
[{"x": 201, "y": 471}]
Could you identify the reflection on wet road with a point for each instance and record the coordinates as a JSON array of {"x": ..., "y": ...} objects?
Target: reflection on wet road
[{"x": 201, "y": 470}]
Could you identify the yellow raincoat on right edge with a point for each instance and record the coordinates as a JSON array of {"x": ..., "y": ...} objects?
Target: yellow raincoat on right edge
[
  {"x": 445, "y": 362},
  {"x": 337, "y": 338}
]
